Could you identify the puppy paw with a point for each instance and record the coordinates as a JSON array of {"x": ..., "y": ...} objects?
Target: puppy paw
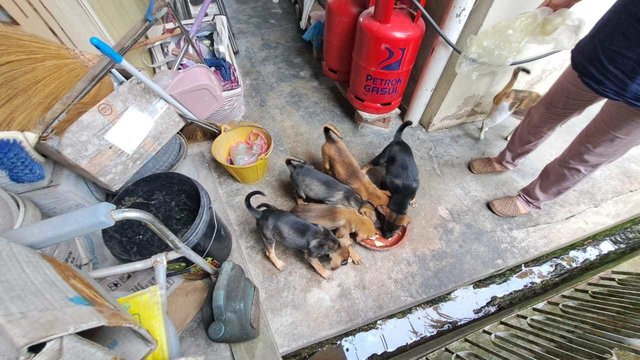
[
  {"x": 413, "y": 203},
  {"x": 280, "y": 265},
  {"x": 356, "y": 259},
  {"x": 326, "y": 274}
]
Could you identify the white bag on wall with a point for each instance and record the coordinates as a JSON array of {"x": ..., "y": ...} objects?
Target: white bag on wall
[{"x": 504, "y": 42}]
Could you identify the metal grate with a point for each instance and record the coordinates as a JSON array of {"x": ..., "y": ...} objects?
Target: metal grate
[{"x": 597, "y": 320}]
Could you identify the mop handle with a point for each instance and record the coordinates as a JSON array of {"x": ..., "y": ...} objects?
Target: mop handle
[
  {"x": 119, "y": 59},
  {"x": 196, "y": 23}
]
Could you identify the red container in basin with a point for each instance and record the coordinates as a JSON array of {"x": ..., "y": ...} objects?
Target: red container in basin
[
  {"x": 341, "y": 19},
  {"x": 387, "y": 41}
]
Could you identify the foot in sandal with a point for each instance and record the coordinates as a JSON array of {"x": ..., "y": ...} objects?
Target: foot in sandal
[
  {"x": 487, "y": 165},
  {"x": 510, "y": 206}
]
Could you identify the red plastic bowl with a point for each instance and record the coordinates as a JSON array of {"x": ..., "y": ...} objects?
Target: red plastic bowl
[{"x": 380, "y": 243}]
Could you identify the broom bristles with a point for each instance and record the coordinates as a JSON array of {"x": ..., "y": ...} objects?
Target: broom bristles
[
  {"x": 34, "y": 74},
  {"x": 195, "y": 134}
]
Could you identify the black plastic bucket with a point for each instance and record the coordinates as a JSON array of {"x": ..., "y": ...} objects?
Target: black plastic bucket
[{"x": 182, "y": 205}]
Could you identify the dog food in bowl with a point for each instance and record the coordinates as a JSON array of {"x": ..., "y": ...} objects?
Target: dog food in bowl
[{"x": 381, "y": 243}]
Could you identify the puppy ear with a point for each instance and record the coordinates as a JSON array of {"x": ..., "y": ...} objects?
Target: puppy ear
[
  {"x": 317, "y": 247},
  {"x": 383, "y": 210}
]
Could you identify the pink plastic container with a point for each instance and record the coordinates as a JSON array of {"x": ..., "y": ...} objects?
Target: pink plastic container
[{"x": 197, "y": 88}]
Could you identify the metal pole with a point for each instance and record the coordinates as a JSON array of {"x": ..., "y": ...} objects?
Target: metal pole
[
  {"x": 165, "y": 234},
  {"x": 130, "y": 267}
]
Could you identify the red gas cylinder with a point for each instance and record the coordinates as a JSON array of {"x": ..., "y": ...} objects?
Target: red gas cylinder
[
  {"x": 387, "y": 41},
  {"x": 341, "y": 19}
]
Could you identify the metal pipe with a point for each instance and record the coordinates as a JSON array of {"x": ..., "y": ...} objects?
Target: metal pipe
[
  {"x": 160, "y": 270},
  {"x": 130, "y": 267},
  {"x": 165, "y": 234},
  {"x": 186, "y": 36}
]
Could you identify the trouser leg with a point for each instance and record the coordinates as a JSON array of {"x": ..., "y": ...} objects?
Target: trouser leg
[
  {"x": 613, "y": 132},
  {"x": 567, "y": 97}
]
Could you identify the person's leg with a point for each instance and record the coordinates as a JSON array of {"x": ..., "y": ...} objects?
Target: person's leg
[
  {"x": 613, "y": 132},
  {"x": 567, "y": 97}
]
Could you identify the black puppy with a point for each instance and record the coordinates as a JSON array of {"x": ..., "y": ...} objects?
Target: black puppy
[
  {"x": 401, "y": 178},
  {"x": 279, "y": 225},
  {"x": 314, "y": 185}
]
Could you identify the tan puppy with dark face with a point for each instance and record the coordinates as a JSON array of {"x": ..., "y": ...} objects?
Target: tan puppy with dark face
[
  {"x": 337, "y": 160},
  {"x": 344, "y": 220}
]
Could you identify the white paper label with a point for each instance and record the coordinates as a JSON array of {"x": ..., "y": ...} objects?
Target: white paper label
[{"x": 130, "y": 130}]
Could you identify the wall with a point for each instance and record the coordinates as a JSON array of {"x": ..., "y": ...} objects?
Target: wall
[
  {"x": 438, "y": 9},
  {"x": 461, "y": 99}
]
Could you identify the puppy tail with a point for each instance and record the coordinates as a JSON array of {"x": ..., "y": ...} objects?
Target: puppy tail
[
  {"x": 328, "y": 129},
  {"x": 247, "y": 202},
  {"x": 290, "y": 161},
  {"x": 398, "y": 135}
]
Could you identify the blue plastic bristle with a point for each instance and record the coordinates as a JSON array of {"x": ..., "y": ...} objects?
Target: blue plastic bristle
[{"x": 18, "y": 164}]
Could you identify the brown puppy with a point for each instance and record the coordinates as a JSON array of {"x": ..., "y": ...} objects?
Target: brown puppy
[
  {"x": 337, "y": 160},
  {"x": 510, "y": 102},
  {"x": 344, "y": 220}
]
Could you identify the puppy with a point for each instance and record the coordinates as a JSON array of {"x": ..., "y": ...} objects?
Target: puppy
[
  {"x": 337, "y": 159},
  {"x": 401, "y": 178},
  {"x": 314, "y": 185},
  {"x": 342, "y": 219},
  {"x": 295, "y": 233},
  {"x": 509, "y": 102}
]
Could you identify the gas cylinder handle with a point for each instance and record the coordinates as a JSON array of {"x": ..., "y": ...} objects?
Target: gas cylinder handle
[
  {"x": 418, "y": 16},
  {"x": 383, "y": 10}
]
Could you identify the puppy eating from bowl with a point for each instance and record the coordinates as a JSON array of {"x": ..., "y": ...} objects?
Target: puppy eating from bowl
[
  {"x": 344, "y": 220},
  {"x": 312, "y": 185},
  {"x": 338, "y": 160},
  {"x": 401, "y": 179},
  {"x": 275, "y": 225}
]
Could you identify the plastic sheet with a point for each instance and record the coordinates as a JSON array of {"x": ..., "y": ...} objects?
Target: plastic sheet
[
  {"x": 504, "y": 42},
  {"x": 248, "y": 151}
]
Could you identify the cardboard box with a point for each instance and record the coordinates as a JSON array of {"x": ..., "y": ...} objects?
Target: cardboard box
[
  {"x": 45, "y": 301},
  {"x": 115, "y": 138}
]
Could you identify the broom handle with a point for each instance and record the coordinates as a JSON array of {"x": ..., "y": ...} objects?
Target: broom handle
[
  {"x": 119, "y": 59},
  {"x": 196, "y": 23}
]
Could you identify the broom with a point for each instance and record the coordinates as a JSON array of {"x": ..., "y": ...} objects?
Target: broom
[{"x": 35, "y": 73}]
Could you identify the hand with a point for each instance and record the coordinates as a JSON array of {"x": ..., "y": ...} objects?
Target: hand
[{"x": 556, "y": 5}]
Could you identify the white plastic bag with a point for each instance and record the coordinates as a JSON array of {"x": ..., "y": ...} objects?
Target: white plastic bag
[{"x": 504, "y": 42}]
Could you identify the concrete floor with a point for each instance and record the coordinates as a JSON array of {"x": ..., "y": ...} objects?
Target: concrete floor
[{"x": 453, "y": 239}]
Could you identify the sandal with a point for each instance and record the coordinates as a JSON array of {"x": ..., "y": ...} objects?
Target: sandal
[
  {"x": 487, "y": 165},
  {"x": 510, "y": 206}
]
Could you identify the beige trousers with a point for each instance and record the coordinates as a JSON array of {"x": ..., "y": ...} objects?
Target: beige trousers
[{"x": 611, "y": 133}]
